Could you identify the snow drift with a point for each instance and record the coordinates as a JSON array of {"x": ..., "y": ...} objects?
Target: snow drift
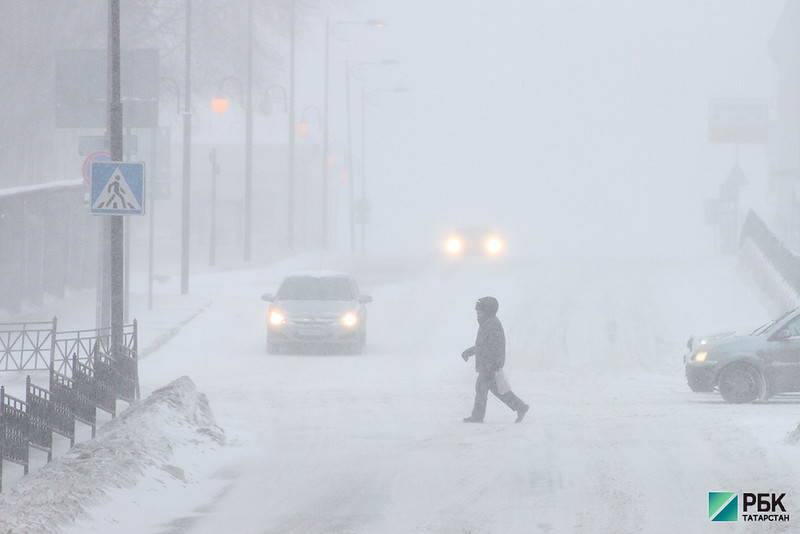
[{"x": 143, "y": 437}]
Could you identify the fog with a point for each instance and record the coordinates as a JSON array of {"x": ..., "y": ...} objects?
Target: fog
[
  {"x": 578, "y": 131},
  {"x": 581, "y": 128}
]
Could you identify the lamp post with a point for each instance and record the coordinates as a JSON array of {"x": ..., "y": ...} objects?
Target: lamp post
[
  {"x": 212, "y": 253},
  {"x": 290, "y": 102},
  {"x": 303, "y": 126},
  {"x": 330, "y": 29},
  {"x": 247, "y": 102},
  {"x": 220, "y": 106},
  {"x": 351, "y": 188},
  {"x": 248, "y": 142},
  {"x": 187, "y": 153}
]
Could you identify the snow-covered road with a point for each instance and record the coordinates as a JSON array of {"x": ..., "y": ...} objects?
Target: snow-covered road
[{"x": 614, "y": 442}]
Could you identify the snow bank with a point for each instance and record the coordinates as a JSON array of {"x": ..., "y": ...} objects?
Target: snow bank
[{"x": 142, "y": 437}]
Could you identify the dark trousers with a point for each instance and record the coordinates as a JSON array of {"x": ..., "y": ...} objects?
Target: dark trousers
[{"x": 486, "y": 382}]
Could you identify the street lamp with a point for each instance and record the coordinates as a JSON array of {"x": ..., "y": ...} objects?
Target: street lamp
[
  {"x": 331, "y": 161},
  {"x": 330, "y": 29},
  {"x": 220, "y": 103},
  {"x": 363, "y": 206},
  {"x": 220, "y": 106},
  {"x": 303, "y": 127}
]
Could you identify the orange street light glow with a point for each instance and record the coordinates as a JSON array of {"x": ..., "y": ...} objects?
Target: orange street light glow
[{"x": 219, "y": 105}]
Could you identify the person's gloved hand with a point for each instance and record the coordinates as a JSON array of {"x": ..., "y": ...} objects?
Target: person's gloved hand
[{"x": 466, "y": 354}]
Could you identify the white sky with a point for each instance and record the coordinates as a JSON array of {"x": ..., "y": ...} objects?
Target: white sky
[{"x": 574, "y": 127}]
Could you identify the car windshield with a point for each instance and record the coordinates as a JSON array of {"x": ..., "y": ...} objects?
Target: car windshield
[
  {"x": 762, "y": 329},
  {"x": 316, "y": 288}
]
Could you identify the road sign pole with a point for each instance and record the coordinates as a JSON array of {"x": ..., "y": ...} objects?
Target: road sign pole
[{"x": 116, "y": 223}]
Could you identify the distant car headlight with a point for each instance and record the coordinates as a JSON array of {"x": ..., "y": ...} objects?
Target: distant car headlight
[
  {"x": 701, "y": 356},
  {"x": 276, "y": 318},
  {"x": 453, "y": 245},
  {"x": 349, "y": 319},
  {"x": 493, "y": 245}
]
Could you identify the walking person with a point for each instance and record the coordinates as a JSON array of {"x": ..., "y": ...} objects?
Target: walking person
[{"x": 490, "y": 357}]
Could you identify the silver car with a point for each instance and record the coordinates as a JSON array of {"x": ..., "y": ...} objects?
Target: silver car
[{"x": 317, "y": 310}]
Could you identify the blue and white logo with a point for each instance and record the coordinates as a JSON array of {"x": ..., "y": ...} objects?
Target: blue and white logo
[{"x": 117, "y": 188}]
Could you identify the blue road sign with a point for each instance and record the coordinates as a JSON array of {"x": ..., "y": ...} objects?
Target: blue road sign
[{"x": 117, "y": 188}]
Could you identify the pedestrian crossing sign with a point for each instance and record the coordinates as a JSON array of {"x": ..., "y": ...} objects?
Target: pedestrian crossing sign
[{"x": 117, "y": 188}]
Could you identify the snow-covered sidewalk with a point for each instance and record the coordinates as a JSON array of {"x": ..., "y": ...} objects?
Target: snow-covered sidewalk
[{"x": 147, "y": 445}]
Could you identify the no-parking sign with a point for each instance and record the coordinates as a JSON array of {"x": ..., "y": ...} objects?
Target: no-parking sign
[{"x": 97, "y": 155}]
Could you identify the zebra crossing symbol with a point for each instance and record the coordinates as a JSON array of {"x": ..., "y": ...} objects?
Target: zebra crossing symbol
[{"x": 117, "y": 188}]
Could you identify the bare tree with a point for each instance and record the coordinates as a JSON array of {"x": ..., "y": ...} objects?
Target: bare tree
[{"x": 32, "y": 32}]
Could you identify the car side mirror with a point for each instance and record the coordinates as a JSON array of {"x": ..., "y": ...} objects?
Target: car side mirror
[
  {"x": 364, "y": 299},
  {"x": 782, "y": 335},
  {"x": 268, "y": 297}
]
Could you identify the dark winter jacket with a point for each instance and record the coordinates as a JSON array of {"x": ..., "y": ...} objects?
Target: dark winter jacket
[{"x": 490, "y": 345}]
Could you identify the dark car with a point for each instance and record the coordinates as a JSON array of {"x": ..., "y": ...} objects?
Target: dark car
[
  {"x": 474, "y": 242},
  {"x": 746, "y": 368},
  {"x": 317, "y": 310}
]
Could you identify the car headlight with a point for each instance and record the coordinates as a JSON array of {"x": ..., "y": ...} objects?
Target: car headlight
[
  {"x": 701, "y": 356},
  {"x": 453, "y": 245},
  {"x": 493, "y": 245},
  {"x": 349, "y": 319},
  {"x": 276, "y": 318}
]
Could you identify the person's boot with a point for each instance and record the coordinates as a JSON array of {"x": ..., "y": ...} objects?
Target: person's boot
[
  {"x": 472, "y": 419},
  {"x": 521, "y": 413}
]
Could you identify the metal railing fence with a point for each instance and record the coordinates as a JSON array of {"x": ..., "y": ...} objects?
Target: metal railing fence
[
  {"x": 775, "y": 268},
  {"x": 85, "y": 375}
]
